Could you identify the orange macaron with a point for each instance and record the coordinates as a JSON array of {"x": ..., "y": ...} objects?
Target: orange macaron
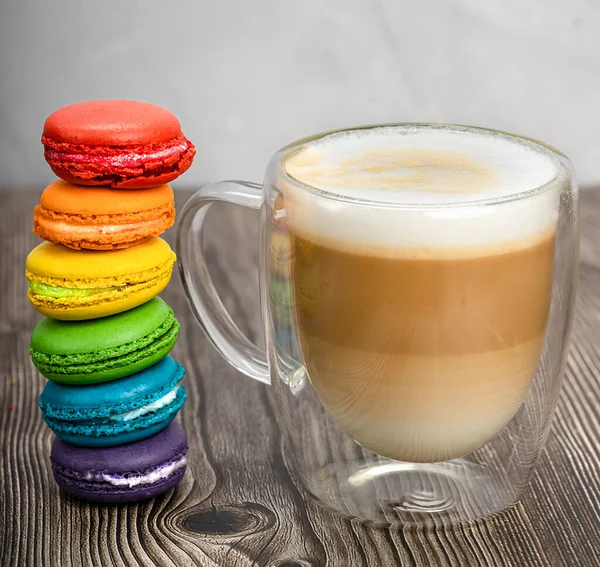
[{"x": 102, "y": 218}]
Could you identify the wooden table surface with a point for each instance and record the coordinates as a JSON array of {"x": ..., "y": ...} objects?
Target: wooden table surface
[{"x": 237, "y": 504}]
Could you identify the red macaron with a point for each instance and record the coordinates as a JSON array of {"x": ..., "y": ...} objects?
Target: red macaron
[{"x": 120, "y": 143}]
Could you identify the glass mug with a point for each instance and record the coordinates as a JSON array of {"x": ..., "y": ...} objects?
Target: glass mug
[{"x": 415, "y": 344}]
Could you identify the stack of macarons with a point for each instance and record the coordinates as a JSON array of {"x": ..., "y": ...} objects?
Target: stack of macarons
[{"x": 113, "y": 390}]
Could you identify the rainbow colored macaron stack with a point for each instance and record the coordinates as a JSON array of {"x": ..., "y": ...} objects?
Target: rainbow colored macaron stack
[{"x": 113, "y": 391}]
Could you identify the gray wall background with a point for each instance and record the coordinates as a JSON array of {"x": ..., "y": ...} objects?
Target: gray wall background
[{"x": 247, "y": 76}]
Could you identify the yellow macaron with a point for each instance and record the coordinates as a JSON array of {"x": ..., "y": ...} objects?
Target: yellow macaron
[{"x": 87, "y": 284}]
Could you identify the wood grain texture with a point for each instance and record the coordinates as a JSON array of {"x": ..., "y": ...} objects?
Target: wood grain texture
[{"x": 237, "y": 504}]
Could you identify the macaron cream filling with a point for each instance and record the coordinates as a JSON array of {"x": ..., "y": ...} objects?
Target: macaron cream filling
[
  {"x": 127, "y": 418},
  {"x": 74, "y": 420},
  {"x": 128, "y": 159},
  {"x": 150, "y": 476},
  {"x": 56, "y": 292},
  {"x": 44, "y": 222},
  {"x": 154, "y": 406},
  {"x": 159, "y": 411}
]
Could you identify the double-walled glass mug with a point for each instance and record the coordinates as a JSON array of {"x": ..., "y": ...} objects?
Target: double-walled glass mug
[{"x": 417, "y": 288}]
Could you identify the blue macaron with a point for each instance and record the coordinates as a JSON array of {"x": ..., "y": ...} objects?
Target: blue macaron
[{"x": 117, "y": 412}]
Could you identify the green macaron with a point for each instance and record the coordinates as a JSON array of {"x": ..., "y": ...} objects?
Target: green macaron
[{"x": 99, "y": 350}]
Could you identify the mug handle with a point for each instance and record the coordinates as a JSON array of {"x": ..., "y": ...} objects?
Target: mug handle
[{"x": 202, "y": 296}]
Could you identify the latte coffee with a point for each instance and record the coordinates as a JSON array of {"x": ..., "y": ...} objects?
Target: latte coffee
[{"x": 421, "y": 281}]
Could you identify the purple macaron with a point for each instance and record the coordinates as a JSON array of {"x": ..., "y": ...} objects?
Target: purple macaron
[{"x": 126, "y": 473}]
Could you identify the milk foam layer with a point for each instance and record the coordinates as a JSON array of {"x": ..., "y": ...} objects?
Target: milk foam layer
[{"x": 429, "y": 184}]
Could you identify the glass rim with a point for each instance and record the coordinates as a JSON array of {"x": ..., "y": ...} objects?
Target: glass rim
[{"x": 562, "y": 162}]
